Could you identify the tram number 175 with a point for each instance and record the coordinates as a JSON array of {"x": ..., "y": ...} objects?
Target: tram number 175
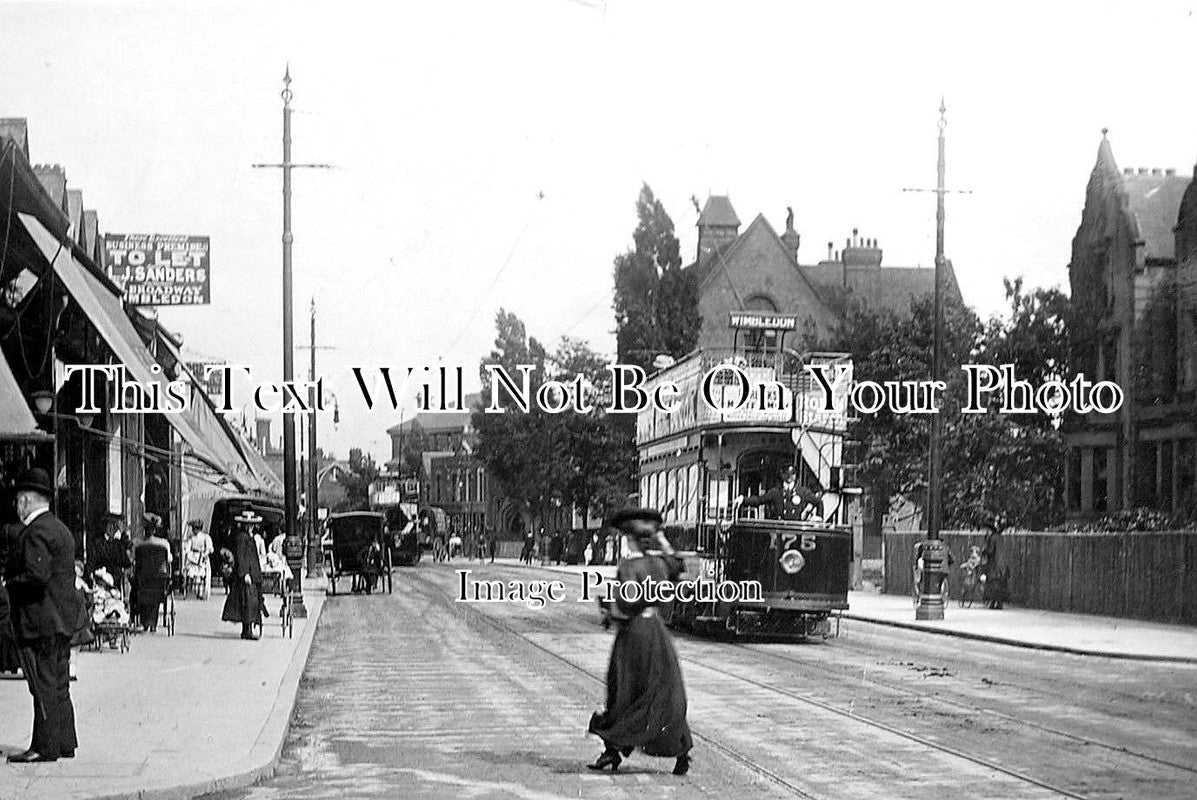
[{"x": 805, "y": 542}]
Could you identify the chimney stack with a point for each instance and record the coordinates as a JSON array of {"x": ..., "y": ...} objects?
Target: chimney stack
[
  {"x": 861, "y": 253},
  {"x": 262, "y": 426}
]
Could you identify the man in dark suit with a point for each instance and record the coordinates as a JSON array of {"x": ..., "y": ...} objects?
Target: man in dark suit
[
  {"x": 41, "y": 590},
  {"x": 788, "y": 501}
]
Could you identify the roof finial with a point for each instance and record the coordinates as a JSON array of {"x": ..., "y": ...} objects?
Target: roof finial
[
  {"x": 943, "y": 113},
  {"x": 1104, "y": 131}
]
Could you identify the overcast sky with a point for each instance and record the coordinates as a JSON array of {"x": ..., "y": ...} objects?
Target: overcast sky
[{"x": 446, "y": 120}]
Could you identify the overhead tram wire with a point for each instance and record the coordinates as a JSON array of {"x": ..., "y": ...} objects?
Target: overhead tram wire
[{"x": 498, "y": 274}]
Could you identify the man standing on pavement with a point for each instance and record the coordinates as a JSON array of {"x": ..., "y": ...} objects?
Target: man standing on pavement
[
  {"x": 41, "y": 588},
  {"x": 244, "y": 601}
]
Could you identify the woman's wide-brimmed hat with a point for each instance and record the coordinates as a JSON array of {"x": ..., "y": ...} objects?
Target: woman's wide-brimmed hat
[
  {"x": 196, "y": 523},
  {"x": 152, "y": 520},
  {"x": 103, "y": 576},
  {"x": 247, "y": 517},
  {"x": 633, "y": 514}
]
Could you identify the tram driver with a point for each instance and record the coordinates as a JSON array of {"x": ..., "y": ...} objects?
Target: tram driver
[{"x": 790, "y": 501}]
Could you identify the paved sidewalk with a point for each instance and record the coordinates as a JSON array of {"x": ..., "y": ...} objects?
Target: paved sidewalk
[
  {"x": 1082, "y": 634},
  {"x": 174, "y": 717}
]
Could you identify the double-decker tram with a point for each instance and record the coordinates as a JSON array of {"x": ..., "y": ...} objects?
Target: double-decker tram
[{"x": 747, "y": 470}]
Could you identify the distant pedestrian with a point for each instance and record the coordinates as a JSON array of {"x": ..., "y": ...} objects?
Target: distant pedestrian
[
  {"x": 151, "y": 573},
  {"x": 544, "y": 542},
  {"x": 556, "y": 547},
  {"x": 198, "y": 557},
  {"x": 83, "y": 633},
  {"x": 244, "y": 601},
  {"x": 41, "y": 588},
  {"x": 529, "y": 548},
  {"x": 454, "y": 545},
  {"x": 112, "y": 552},
  {"x": 992, "y": 572},
  {"x": 488, "y": 545}
]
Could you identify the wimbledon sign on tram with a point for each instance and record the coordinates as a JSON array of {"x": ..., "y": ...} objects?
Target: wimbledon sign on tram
[{"x": 159, "y": 269}]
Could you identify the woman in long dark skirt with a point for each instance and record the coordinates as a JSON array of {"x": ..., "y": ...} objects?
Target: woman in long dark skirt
[{"x": 646, "y": 699}]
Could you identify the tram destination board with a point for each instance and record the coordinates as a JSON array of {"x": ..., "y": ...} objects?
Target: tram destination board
[{"x": 159, "y": 269}]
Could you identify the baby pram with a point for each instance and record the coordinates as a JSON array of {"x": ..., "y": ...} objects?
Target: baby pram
[{"x": 109, "y": 615}]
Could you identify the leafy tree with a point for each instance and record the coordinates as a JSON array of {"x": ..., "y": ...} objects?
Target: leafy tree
[
  {"x": 601, "y": 452},
  {"x": 521, "y": 451},
  {"x": 999, "y": 470},
  {"x": 362, "y": 472},
  {"x": 656, "y": 302},
  {"x": 1007, "y": 470}
]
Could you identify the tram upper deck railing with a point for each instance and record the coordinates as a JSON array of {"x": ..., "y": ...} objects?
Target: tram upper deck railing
[{"x": 719, "y": 386}]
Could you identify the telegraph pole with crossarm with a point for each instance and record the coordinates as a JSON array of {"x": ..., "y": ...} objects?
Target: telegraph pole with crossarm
[
  {"x": 313, "y": 482},
  {"x": 932, "y": 551},
  {"x": 293, "y": 543}
]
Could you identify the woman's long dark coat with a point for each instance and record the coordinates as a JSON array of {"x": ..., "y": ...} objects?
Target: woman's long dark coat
[
  {"x": 646, "y": 699},
  {"x": 242, "y": 598}
]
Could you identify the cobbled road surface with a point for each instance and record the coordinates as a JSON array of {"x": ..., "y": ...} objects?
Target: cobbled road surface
[{"x": 414, "y": 695}]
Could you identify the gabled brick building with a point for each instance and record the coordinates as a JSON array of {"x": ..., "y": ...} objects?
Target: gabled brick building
[
  {"x": 1133, "y": 276},
  {"x": 759, "y": 270}
]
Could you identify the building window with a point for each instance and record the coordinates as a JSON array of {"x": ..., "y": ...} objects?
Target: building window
[
  {"x": 1100, "y": 476},
  {"x": 1108, "y": 367},
  {"x": 1164, "y": 476},
  {"x": 1073, "y": 498}
]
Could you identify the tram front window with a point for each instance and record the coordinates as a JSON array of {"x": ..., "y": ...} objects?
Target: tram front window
[{"x": 789, "y": 501}]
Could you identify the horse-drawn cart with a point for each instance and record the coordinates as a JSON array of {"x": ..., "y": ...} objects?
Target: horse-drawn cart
[{"x": 358, "y": 547}]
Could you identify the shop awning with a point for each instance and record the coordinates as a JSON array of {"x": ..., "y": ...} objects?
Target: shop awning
[
  {"x": 106, "y": 312},
  {"x": 16, "y": 420},
  {"x": 208, "y": 419}
]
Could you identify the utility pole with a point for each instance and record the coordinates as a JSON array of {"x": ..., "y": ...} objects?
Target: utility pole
[
  {"x": 313, "y": 484},
  {"x": 932, "y": 551},
  {"x": 293, "y": 543}
]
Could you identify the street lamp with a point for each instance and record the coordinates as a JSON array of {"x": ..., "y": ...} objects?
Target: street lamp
[
  {"x": 931, "y": 550},
  {"x": 43, "y": 401}
]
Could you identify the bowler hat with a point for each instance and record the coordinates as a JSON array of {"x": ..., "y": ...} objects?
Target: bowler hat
[
  {"x": 34, "y": 480},
  {"x": 631, "y": 514}
]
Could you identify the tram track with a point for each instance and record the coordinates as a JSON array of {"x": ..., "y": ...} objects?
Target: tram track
[
  {"x": 914, "y": 737},
  {"x": 747, "y": 762},
  {"x": 956, "y": 704},
  {"x": 727, "y": 750}
]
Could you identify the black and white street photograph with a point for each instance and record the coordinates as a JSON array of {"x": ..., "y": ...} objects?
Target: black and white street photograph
[{"x": 614, "y": 399}]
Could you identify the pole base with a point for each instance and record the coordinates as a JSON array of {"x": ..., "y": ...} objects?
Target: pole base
[
  {"x": 929, "y": 608},
  {"x": 298, "y": 609}
]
